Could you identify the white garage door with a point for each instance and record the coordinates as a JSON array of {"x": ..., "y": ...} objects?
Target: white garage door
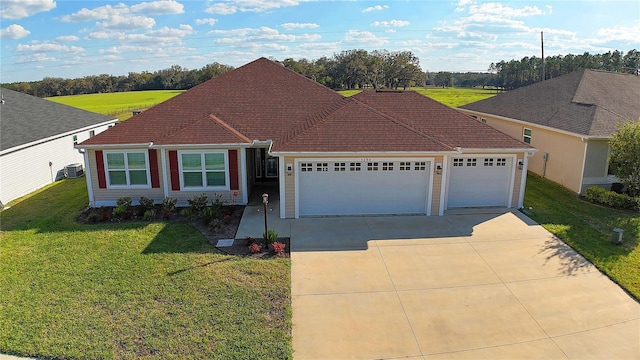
[
  {"x": 356, "y": 187},
  {"x": 479, "y": 182}
]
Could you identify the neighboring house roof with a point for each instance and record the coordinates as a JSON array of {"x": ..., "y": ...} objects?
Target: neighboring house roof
[
  {"x": 263, "y": 100},
  {"x": 586, "y": 102},
  {"x": 26, "y": 118}
]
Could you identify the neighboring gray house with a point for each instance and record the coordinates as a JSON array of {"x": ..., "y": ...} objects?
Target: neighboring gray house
[
  {"x": 569, "y": 119},
  {"x": 37, "y": 139}
]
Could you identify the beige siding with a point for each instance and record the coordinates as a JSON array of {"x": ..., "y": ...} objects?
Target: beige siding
[
  {"x": 109, "y": 196},
  {"x": 227, "y": 196},
  {"x": 566, "y": 152},
  {"x": 517, "y": 182},
  {"x": 290, "y": 190},
  {"x": 437, "y": 187}
]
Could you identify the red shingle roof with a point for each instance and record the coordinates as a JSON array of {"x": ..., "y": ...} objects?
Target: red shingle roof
[{"x": 263, "y": 100}]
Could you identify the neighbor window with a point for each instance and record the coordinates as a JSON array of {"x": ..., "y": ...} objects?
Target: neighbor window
[
  {"x": 339, "y": 166},
  {"x": 75, "y": 139},
  {"x": 204, "y": 170},
  {"x": 127, "y": 168},
  {"x": 526, "y": 135},
  {"x": 92, "y": 133}
]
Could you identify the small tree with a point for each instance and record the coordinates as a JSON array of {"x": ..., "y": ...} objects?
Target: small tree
[{"x": 624, "y": 158}]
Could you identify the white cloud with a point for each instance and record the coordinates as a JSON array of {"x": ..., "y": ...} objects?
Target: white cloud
[
  {"x": 161, "y": 7},
  {"x": 18, "y": 9},
  {"x": 375, "y": 8},
  {"x": 67, "y": 38},
  {"x": 99, "y": 13},
  {"x": 183, "y": 31},
  {"x": 96, "y": 35},
  {"x": 221, "y": 9},
  {"x": 48, "y": 47},
  {"x": 620, "y": 33},
  {"x": 391, "y": 23},
  {"x": 233, "y": 6},
  {"x": 209, "y": 21},
  {"x": 290, "y": 26},
  {"x": 364, "y": 37},
  {"x": 14, "y": 31},
  {"x": 235, "y": 36},
  {"x": 119, "y": 22}
]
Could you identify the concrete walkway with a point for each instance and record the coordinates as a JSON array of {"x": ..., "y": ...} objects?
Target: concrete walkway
[{"x": 473, "y": 286}]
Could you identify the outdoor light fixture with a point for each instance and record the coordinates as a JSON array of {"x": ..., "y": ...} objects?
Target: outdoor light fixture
[
  {"x": 439, "y": 169},
  {"x": 265, "y": 202},
  {"x": 520, "y": 164}
]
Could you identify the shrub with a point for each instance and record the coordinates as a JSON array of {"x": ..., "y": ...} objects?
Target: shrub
[
  {"x": 120, "y": 211},
  {"x": 598, "y": 195},
  {"x": 123, "y": 210},
  {"x": 278, "y": 248},
  {"x": 149, "y": 214},
  {"x": 124, "y": 201},
  {"x": 270, "y": 236},
  {"x": 168, "y": 206},
  {"x": 197, "y": 206},
  {"x": 93, "y": 216},
  {"x": 255, "y": 248},
  {"x": 105, "y": 215},
  {"x": 249, "y": 240},
  {"x": 146, "y": 204},
  {"x": 214, "y": 224}
]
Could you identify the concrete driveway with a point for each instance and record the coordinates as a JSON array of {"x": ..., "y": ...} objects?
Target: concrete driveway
[{"x": 470, "y": 286}]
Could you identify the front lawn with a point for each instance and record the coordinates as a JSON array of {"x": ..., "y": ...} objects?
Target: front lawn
[
  {"x": 139, "y": 289},
  {"x": 587, "y": 228}
]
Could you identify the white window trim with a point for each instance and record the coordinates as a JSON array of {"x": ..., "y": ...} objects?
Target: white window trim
[
  {"x": 126, "y": 169},
  {"x": 224, "y": 153}
]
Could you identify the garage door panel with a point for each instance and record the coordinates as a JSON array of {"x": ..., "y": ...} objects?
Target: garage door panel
[
  {"x": 479, "y": 182},
  {"x": 373, "y": 189}
]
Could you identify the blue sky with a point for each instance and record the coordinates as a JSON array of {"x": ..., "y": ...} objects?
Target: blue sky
[{"x": 70, "y": 38}]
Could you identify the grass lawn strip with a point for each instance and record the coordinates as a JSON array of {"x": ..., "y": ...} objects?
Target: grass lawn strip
[
  {"x": 118, "y": 104},
  {"x": 156, "y": 290},
  {"x": 587, "y": 228}
]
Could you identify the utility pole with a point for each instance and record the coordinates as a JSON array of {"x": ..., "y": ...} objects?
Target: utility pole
[{"x": 542, "y": 46}]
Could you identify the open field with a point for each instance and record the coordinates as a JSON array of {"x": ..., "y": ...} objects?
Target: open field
[
  {"x": 452, "y": 97},
  {"x": 119, "y": 104},
  {"x": 587, "y": 228},
  {"x": 155, "y": 290}
]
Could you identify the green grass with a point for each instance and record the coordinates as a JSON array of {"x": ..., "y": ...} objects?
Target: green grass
[
  {"x": 455, "y": 97},
  {"x": 587, "y": 228},
  {"x": 452, "y": 97},
  {"x": 119, "y": 104},
  {"x": 154, "y": 290}
]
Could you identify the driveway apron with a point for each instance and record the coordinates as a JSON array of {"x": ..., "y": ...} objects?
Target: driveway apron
[{"x": 470, "y": 286}]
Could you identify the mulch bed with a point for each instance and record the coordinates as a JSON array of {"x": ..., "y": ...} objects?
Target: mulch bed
[{"x": 229, "y": 221}]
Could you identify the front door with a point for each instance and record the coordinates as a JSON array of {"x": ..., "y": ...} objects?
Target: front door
[{"x": 266, "y": 167}]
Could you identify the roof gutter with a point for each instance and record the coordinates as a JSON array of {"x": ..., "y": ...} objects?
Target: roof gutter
[
  {"x": 496, "y": 151},
  {"x": 361, "y": 153}
]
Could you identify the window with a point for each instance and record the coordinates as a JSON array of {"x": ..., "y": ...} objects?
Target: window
[
  {"x": 526, "y": 135},
  {"x": 501, "y": 162},
  {"x": 458, "y": 162},
  {"x": 75, "y": 139},
  {"x": 339, "y": 166},
  {"x": 387, "y": 166},
  {"x": 354, "y": 166},
  {"x": 127, "y": 168},
  {"x": 92, "y": 133},
  {"x": 204, "y": 170},
  {"x": 483, "y": 120},
  {"x": 488, "y": 162},
  {"x": 420, "y": 166},
  {"x": 372, "y": 166},
  {"x": 306, "y": 167},
  {"x": 405, "y": 166},
  {"x": 322, "y": 167},
  {"x": 471, "y": 162}
]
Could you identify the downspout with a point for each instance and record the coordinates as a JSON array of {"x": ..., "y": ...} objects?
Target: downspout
[{"x": 87, "y": 175}]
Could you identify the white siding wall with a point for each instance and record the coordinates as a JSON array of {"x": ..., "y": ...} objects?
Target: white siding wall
[{"x": 26, "y": 170}]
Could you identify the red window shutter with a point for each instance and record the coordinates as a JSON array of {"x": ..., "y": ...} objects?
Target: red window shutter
[
  {"x": 153, "y": 167},
  {"x": 173, "y": 169},
  {"x": 102, "y": 179},
  {"x": 233, "y": 169}
]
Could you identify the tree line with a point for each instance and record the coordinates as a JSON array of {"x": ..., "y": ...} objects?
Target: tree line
[{"x": 350, "y": 69}]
